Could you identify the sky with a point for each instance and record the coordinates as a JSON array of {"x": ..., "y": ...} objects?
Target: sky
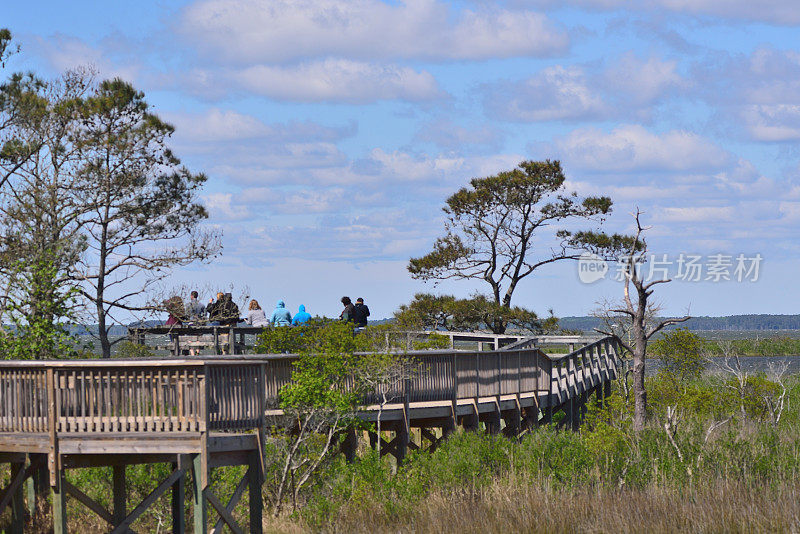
[{"x": 332, "y": 132}]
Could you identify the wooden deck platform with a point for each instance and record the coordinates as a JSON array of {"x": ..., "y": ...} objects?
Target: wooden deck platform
[{"x": 200, "y": 414}]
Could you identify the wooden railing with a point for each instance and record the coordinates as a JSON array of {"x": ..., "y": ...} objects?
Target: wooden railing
[
  {"x": 232, "y": 394},
  {"x": 131, "y": 396}
]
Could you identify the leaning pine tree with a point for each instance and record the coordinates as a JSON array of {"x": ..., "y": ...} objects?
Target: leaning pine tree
[{"x": 500, "y": 229}]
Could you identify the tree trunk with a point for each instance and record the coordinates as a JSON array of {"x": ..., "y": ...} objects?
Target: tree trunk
[
  {"x": 639, "y": 356},
  {"x": 102, "y": 332},
  {"x": 499, "y": 327}
]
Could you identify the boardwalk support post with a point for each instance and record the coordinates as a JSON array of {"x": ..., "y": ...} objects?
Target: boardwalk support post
[
  {"x": 199, "y": 503},
  {"x": 255, "y": 502},
  {"x": 118, "y": 491},
  {"x": 58, "y": 495},
  {"x": 178, "y": 498}
]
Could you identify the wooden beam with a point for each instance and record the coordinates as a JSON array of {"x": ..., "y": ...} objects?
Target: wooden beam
[
  {"x": 350, "y": 444},
  {"x": 223, "y": 512},
  {"x": 237, "y": 494},
  {"x": 89, "y": 503},
  {"x": 123, "y": 527},
  {"x": 58, "y": 497},
  {"x": 18, "y": 476},
  {"x": 17, "y": 500}
]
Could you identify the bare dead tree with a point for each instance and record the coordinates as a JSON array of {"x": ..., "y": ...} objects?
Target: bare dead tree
[
  {"x": 385, "y": 374},
  {"x": 730, "y": 363},
  {"x": 636, "y": 307},
  {"x": 776, "y": 371},
  {"x": 671, "y": 424}
]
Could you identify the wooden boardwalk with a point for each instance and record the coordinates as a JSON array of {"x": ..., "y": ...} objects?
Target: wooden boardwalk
[{"x": 200, "y": 414}]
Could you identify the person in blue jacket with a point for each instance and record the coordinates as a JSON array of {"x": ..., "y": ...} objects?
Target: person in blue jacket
[
  {"x": 281, "y": 316},
  {"x": 302, "y": 316}
]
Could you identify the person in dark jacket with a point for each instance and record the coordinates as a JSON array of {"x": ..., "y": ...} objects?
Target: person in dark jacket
[
  {"x": 360, "y": 313},
  {"x": 348, "y": 313},
  {"x": 214, "y": 309},
  {"x": 229, "y": 311}
]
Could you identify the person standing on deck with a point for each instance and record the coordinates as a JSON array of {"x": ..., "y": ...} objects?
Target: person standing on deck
[
  {"x": 174, "y": 307},
  {"x": 195, "y": 311},
  {"x": 229, "y": 311},
  {"x": 348, "y": 312},
  {"x": 214, "y": 309},
  {"x": 302, "y": 316},
  {"x": 360, "y": 313},
  {"x": 281, "y": 316},
  {"x": 256, "y": 316}
]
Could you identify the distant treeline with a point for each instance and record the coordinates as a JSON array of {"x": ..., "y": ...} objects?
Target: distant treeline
[{"x": 730, "y": 322}]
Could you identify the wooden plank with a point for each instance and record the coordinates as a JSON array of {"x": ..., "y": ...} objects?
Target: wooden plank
[
  {"x": 255, "y": 501},
  {"x": 58, "y": 498}
]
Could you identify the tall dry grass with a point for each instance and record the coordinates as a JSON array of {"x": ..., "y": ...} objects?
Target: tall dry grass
[{"x": 518, "y": 506}]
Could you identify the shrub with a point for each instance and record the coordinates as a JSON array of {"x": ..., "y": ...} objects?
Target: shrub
[{"x": 681, "y": 355}]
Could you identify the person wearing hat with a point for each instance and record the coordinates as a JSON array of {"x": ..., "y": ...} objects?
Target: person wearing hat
[{"x": 360, "y": 313}]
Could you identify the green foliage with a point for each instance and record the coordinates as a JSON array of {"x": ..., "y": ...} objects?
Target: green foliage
[
  {"x": 433, "y": 342},
  {"x": 38, "y": 316},
  {"x": 768, "y": 346},
  {"x": 606, "y": 455},
  {"x": 753, "y": 396},
  {"x": 433, "y": 312},
  {"x": 126, "y": 349},
  {"x": 681, "y": 354}
]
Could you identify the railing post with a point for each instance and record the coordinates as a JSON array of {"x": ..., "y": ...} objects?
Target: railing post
[
  {"x": 53, "y": 461},
  {"x": 454, "y": 364}
]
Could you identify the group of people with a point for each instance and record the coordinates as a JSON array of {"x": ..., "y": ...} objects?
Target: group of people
[
  {"x": 280, "y": 315},
  {"x": 224, "y": 312},
  {"x": 356, "y": 313}
]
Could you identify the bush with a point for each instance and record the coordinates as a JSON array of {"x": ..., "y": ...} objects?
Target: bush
[{"x": 681, "y": 355}]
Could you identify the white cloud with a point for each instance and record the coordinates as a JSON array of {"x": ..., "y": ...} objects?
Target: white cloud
[
  {"x": 64, "y": 52},
  {"x": 697, "y": 214},
  {"x": 556, "y": 93},
  {"x": 271, "y": 31},
  {"x": 639, "y": 81},
  {"x": 221, "y": 207},
  {"x": 338, "y": 80},
  {"x": 631, "y": 148},
  {"x": 626, "y": 88},
  {"x": 216, "y": 125},
  {"x": 781, "y": 12},
  {"x": 448, "y": 135},
  {"x": 778, "y": 122}
]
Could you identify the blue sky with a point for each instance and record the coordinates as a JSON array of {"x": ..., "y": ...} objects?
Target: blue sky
[{"x": 332, "y": 131}]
